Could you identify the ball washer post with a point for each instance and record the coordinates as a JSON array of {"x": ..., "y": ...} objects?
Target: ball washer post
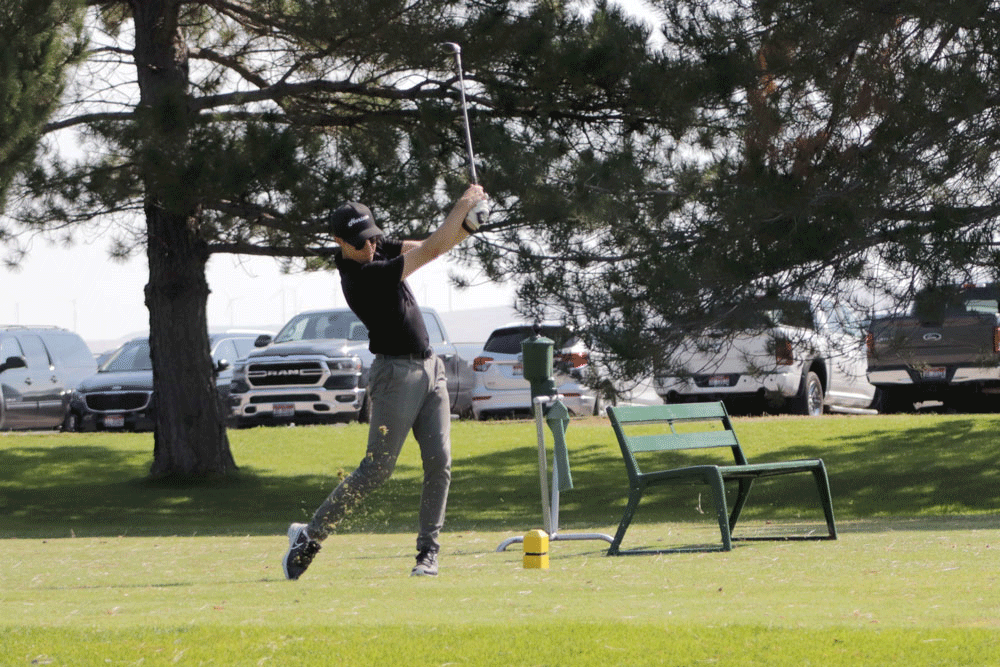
[{"x": 548, "y": 406}]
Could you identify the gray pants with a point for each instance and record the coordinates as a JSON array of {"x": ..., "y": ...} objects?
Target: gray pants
[{"x": 406, "y": 393}]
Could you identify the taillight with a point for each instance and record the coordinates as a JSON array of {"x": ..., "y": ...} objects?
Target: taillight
[
  {"x": 481, "y": 363},
  {"x": 996, "y": 339},
  {"x": 783, "y": 352},
  {"x": 575, "y": 359},
  {"x": 870, "y": 341}
]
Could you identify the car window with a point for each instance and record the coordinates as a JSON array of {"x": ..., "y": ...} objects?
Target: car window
[
  {"x": 9, "y": 347},
  {"x": 981, "y": 305},
  {"x": 764, "y": 313},
  {"x": 505, "y": 341},
  {"x": 34, "y": 351},
  {"x": 225, "y": 350},
  {"x": 934, "y": 303},
  {"x": 433, "y": 329},
  {"x": 132, "y": 356},
  {"x": 561, "y": 336},
  {"x": 358, "y": 331},
  {"x": 315, "y": 326},
  {"x": 244, "y": 346},
  {"x": 508, "y": 340},
  {"x": 69, "y": 350}
]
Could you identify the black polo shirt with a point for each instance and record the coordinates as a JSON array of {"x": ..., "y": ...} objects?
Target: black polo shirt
[{"x": 379, "y": 296}]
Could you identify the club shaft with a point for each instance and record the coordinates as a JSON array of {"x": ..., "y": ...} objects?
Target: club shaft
[{"x": 465, "y": 116}]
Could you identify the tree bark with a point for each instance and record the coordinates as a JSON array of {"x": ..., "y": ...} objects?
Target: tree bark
[{"x": 190, "y": 436}]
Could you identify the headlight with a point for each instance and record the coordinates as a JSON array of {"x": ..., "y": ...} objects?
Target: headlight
[{"x": 351, "y": 364}]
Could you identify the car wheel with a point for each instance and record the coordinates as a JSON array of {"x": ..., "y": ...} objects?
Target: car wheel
[
  {"x": 365, "y": 413},
  {"x": 809, "y": 400},
  {"x": 71, "y": 423}
]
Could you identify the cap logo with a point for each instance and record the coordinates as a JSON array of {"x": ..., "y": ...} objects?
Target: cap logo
[{"x": 354, "y": 222}]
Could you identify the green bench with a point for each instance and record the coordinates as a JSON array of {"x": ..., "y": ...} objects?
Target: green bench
[{"x": 716, "y": 430}]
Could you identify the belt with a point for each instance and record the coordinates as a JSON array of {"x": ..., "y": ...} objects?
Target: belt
[{"x": 418, "y": 356}]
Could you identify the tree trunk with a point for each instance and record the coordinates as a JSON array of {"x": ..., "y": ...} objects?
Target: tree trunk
[{"x": 190, "y": 437}]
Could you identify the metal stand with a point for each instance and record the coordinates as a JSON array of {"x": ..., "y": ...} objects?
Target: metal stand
[{"x": 550, "y": 504}]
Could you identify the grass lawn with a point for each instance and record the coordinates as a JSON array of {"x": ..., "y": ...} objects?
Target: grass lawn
[{"x": 100, "y": 566}]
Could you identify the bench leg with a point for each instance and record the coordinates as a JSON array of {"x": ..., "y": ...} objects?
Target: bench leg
[
  {"x": 823, "y": 484},
  {"x": 719, "y": 491},
  {"x": 746, "y": 484},
  {"x": 634, "y": 495}
]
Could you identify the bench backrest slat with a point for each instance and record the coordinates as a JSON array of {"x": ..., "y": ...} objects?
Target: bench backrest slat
[
  {"x": 671, "y": 412},
  {"x": 671, "y": 416},
  {"x": 661, "y": 442}
]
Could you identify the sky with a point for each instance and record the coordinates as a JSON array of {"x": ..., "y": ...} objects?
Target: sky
[{"x": 80, "y": 289}]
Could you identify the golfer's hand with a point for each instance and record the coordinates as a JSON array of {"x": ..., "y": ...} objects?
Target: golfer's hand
[{"x": 479, "y": 210}]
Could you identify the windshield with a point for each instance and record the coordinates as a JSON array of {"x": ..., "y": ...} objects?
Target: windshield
[
  {"x": 508, "y": 341},
  {"x": 316, "y": 326},
  {"x": 765, "y": 313},
  {"x": 933, "y": 304},
  {"x": 132, "y": 356}
]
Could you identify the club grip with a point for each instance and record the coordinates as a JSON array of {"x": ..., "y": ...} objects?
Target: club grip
[{"x": 476, "y": 216}]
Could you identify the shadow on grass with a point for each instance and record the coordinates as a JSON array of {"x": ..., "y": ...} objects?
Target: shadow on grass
[
  {"x": 946, "y": 467},
  {"x": 89, "y": 490}
]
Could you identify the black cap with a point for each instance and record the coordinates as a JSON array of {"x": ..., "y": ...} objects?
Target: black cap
[{"x": 354, "y": 223}]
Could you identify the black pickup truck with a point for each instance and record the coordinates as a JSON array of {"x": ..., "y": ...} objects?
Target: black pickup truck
[{"x": 947, "y": 348}]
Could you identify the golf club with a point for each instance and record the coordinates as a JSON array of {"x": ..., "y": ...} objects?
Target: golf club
[
  {"x": 457, "y": 50},
  {"x": 481, "y": 211}
]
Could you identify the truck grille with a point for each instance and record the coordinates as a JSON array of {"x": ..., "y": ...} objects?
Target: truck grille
[
  {"x": 285, "y": 374},
  {"x": 284, "y": 398},
  {"x": 126, "y": 400}
]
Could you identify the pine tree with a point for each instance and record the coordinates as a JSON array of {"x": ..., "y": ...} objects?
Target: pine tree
[
  {"x": 40, "y": 38},
  {"x": 226, "y": 126}
]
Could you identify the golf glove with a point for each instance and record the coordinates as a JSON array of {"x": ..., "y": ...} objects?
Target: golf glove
[{"x": 479, "y": 214}]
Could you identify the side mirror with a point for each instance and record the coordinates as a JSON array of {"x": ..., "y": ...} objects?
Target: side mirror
[
  {"x": 221, "y": 365},
  {"x": 263, "y": 340},
  {"x": 13, "y": 362}
]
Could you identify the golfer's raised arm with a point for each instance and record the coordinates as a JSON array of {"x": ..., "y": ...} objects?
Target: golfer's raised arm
[{"x": 445, "y": 237}]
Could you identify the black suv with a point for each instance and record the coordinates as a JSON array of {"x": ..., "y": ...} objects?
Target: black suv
[
  {"x": 39, "y": 368},
  {"x": 120, "y": 394}
]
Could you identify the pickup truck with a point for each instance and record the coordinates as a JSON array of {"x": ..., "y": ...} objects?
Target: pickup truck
[
  {"x": 947, "y": 349},
  {"x": 798, "y": 355},
  {"x": 316, "y": 370}
]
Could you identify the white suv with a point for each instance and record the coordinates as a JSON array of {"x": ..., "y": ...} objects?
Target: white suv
[{"x": 500, "y": 387}]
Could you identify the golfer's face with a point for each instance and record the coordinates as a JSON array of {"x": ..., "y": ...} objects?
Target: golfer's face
[{"x": 361, "y": 255}]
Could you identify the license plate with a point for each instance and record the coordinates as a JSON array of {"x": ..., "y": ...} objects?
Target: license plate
[
  {"x": 284, "y": 409},
  {"x": 114, "y": 421},
  {"x": 718, "y": 381},
  {"x": 934, "y": 374}
]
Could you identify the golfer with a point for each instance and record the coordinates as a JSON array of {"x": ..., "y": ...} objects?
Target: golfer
[{"x": 407, "y": 385}]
